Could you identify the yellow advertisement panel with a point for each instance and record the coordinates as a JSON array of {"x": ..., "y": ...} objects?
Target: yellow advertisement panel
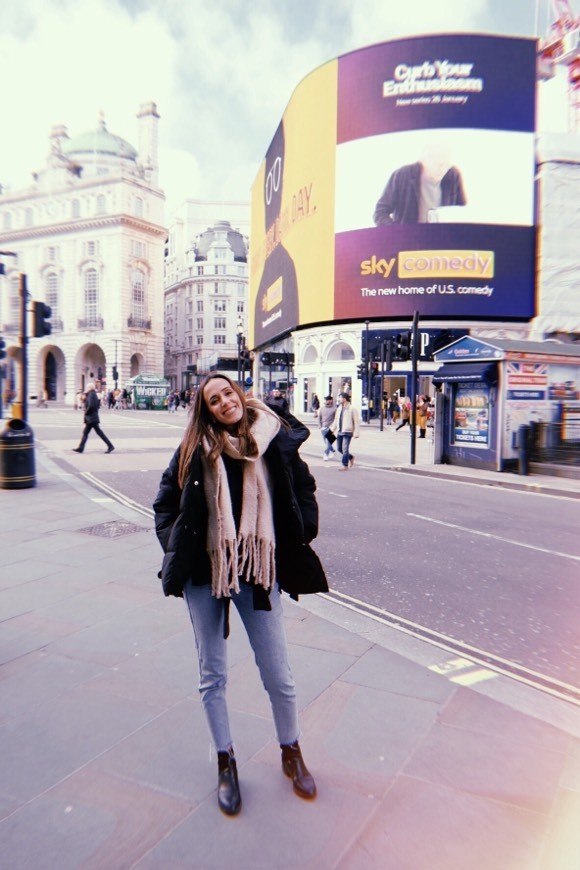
[{"x": 292, "y": 229}]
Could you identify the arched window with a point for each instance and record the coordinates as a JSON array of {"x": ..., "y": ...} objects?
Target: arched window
[
  {"x": 138, "y": 297},
  {"x": 91, "y": 296},
  {"x": 51, "y": 294}
]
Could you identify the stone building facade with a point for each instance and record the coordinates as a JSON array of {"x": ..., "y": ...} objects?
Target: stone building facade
[
  {"x": 89, "y": 235},
  {"x": 206, "y": 291}
]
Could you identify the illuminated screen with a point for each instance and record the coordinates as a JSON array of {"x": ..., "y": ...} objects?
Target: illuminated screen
[{"x": 401, "y": 178}]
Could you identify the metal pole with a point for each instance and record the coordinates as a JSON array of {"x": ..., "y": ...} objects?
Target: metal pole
[
  {"x": 381, "y": 389},
  {"x": 414, "y": 360},
  {"x": 366, "y": 386},
  {"x": 24, "y": 345}
]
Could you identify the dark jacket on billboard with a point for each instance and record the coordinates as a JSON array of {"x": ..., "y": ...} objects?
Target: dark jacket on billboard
[
  {"x": 399, "y": 202},
  {"x": 181, "y": 519}
]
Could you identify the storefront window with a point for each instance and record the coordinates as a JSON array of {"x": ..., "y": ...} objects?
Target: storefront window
[{"x": 471, "y": 411}]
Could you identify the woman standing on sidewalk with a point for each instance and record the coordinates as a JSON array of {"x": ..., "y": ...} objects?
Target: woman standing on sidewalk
[{"x": 235, "y": 514}]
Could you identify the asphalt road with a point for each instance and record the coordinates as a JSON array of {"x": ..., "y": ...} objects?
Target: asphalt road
[{"x": 492, "y": 568}]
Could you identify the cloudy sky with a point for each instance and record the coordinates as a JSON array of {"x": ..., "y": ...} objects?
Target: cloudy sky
[{"x": 220, "y": 71}]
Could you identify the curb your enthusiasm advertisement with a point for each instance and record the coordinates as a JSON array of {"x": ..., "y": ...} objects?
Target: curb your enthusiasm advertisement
[{"x": 401, "y": 177}]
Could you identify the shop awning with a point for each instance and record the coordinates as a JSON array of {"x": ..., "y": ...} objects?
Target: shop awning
[{"x": 455, "y": 372}]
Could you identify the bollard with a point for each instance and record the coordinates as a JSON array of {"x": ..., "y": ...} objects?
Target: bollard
[{"x": 17, "y": 456}]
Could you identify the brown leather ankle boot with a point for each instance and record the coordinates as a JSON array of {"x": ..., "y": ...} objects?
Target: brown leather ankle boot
[
  {"x": 294, "y": 767},
  {"x": 229, "y": 797}
]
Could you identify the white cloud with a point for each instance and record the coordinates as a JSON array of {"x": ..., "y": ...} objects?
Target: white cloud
[{"x": 220, "y": 72}]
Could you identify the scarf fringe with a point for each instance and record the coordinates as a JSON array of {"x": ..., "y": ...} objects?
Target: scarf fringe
[{"x": 250, "y": 559}]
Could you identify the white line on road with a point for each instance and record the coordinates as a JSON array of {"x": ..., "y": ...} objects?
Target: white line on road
[{"x": 495, "y": 537}]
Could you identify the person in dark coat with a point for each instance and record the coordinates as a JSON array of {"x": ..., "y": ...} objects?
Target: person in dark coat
[
  {"x": 414, "y": 190},
  {"x": 235, "y": 514},
  {"x": 92, "y": 420}
]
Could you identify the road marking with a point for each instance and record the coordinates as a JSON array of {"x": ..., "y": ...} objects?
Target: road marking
[
  {"x": 116, "y": 495},
  {"x": 330, "y": 492},
  {"x": 479, "y": 657},
  {"x": 473, "y": 677},
  {"x": 495, "y": 537}
]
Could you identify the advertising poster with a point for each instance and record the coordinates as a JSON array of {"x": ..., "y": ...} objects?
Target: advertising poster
[
  {"x": 471, "y": 414},
  {"x": 434, "y": 181},
  {"x": 400, "y": 178},
  {"x": 292, "y": 229}
]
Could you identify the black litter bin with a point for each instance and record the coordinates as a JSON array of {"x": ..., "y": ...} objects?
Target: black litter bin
[{"x": 17, "y": 456}]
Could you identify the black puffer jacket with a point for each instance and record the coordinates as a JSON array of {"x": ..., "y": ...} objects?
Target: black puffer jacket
[{"x": 181, "y": 520}]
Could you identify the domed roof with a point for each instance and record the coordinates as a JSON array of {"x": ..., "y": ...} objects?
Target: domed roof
[
  {"x": 234, "y": 237},
  {"x": 99, "y": 141}
]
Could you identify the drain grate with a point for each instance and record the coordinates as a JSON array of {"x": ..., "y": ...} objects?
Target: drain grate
[{"x": 113, "y": 529}]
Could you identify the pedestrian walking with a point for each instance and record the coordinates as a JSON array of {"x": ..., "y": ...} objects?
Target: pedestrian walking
[
  {"x": 345, "y": 427},
  {"x": 326, "y": 416},
  {"x": 92, "y": 421},
  {"x": 235, "y": 515},
  {"x": 405, "y": 415}
]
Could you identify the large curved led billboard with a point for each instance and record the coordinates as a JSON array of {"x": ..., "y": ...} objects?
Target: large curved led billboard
[{"x": 400, "y": 178}]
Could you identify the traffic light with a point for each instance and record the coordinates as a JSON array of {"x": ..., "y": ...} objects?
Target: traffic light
[
  {"x": 2, "y": 349},
  {"x": 389, "y": 348},
  {"x": 42, "y": 314},
  {"x": 403, "y": 345},
  {"x": 360, "y": 371},
  {"x": 115, "y": 373}
]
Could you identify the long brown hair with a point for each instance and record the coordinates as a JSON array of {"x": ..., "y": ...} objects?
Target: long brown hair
[{"x": 203, "y": 427}]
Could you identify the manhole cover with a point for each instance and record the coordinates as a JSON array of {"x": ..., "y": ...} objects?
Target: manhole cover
[{"x": 113, "y": 529}]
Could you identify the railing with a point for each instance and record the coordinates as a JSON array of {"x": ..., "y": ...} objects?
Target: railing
[
  {"x": 555, "y": 443},
  {"x": 57, "y": 324},
  {"x": 138, "y": 322},
  {"x": 91, "y": 323}
]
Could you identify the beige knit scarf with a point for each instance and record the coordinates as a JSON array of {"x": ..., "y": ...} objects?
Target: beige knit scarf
[{"x": 249, "y": 554}]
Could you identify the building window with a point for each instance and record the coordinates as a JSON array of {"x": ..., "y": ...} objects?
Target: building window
[
  {"x": 101, "y": 204},
  {"x": 15, "y": 300},
  {"x": 241, "y": 307},
  {"x": 199, "y": 339},
  {"x": 52, "y": 255},
  {"x": 51, "y": 294},
  {"x": 75, "y": 208},
  {"x": 200, "y": 270},
  {"x": 199, "y": 323},
  {"x": 138, "y": 249},
  {"x": 138, "y": 207},
  {"x": 138, "y": 296},
  {"x": 219, "y": 339},
  {"x": 199, "y": 305},
  {"x": 92, "y": 249},
  {"x": 189, "y": 324},
  {"x": 219, "y": 323},
  {"x": 92, "y": 296},
  {"x": 199, "y": 289},
  {"x": 28, "y": 217},
  {"x": 189, "y": 306},
  {"x": 219, "y": 305}
]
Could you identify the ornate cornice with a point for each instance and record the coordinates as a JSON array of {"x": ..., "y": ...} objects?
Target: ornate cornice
[{"x": 72, "y": 227}]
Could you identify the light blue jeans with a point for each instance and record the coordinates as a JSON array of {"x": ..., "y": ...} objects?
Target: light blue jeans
[{"x": 265, "y": 629}]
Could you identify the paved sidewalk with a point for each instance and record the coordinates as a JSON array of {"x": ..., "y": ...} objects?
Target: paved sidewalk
[{"x": 105, "y": 755}]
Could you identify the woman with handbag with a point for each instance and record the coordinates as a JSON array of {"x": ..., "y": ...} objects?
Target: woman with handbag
[{"x": 235, "y": 514}]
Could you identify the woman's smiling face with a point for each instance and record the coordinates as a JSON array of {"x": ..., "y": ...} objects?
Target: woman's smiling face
[{"x": 223, "y": 402}]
